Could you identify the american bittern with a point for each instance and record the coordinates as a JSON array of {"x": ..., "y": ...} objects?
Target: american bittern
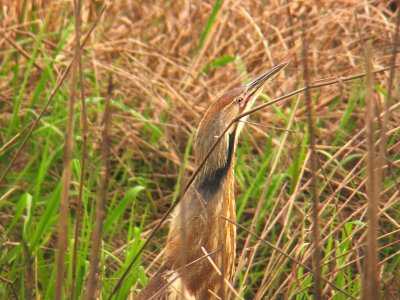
[{"x": 198, "y": 226}]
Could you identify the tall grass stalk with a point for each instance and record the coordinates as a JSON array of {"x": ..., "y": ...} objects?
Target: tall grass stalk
[
  {"x": 313, "y": 166},
  {"x": 62, "y": 237},
  {"x": 84, "y": 130}
]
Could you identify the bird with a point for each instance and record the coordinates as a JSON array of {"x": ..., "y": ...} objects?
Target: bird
[{"x": 200, "y": 250}]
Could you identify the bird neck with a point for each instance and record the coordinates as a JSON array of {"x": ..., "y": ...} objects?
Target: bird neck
[{"x": 213, "y": 176}]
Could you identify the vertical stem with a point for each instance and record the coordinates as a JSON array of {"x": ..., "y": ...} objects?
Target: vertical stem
[
  {"x": 370, "y": 290},
  {"x": 313, "y": 161},
  {"x": 66, "y": 177},
  {"x": 371, "y": 278},
  {"x": 84, "y": 126},
  {"x": 101, "y": 199}
]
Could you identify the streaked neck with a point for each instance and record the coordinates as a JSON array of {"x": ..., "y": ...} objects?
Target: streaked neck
[{"x": 211, "y": 182}]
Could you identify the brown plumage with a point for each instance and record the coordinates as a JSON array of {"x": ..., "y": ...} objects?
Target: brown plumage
[{"x": 197, "y": 226}]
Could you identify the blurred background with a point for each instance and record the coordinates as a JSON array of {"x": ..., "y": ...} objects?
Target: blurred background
[{"x": 168, "y": 61}]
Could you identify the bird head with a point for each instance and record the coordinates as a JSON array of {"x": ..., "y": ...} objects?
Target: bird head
[{"x": 222, "y": 112}]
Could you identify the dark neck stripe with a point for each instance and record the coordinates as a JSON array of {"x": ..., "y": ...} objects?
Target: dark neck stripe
[{"x": 212, "y": 182}]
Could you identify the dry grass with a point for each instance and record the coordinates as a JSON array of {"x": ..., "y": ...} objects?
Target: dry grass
[{"x": 167, "y": 66}]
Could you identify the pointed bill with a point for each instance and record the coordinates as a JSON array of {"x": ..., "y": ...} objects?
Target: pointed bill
[{"x": 255, "y": 87}]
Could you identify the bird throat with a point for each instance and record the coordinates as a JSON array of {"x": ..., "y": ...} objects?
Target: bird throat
[{"x": 212, "y": 182}]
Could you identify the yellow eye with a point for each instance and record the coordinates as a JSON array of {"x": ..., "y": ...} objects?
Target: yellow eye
[{"x": 239, "y": 100}]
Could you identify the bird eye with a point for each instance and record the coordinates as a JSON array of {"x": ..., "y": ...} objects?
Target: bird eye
[{"x": 238, "y": 100}]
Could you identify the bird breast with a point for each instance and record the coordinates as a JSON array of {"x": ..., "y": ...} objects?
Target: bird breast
[{"x": 198, "y": 228}]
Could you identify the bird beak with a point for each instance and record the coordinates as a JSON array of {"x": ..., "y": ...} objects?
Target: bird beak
[{"x": 254, "y": 88}]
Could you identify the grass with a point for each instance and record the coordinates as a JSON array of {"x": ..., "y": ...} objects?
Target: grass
[{"x": 164, "y": 76}]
